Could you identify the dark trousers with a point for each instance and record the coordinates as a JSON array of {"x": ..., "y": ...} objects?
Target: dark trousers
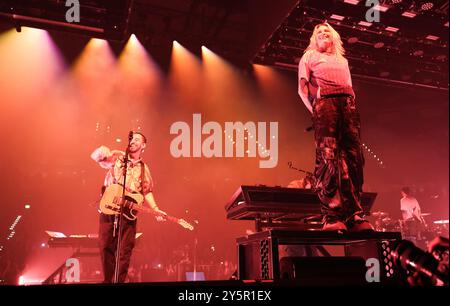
[
  {"x": 108, "y": 246},
  {"x": 339, "y": 157}
]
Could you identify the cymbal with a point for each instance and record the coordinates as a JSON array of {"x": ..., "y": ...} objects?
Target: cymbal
[
  {"x": 425, "y": 214},
  {"x": 440, "y": 222},
  {"x": 379, "y": 214}
]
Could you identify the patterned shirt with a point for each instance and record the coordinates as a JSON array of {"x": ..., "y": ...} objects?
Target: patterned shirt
[
  {"x": 326, "y": 72},
  {"x": 133, "y": 179}
]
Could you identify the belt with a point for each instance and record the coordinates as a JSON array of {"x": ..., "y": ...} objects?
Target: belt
[{"x": 335, "y": 95}]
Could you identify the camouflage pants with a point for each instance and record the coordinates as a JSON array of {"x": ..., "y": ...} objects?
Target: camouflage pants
[{"x": 339, "y": 157}]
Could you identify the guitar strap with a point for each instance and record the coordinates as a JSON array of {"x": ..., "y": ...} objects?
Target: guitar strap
[{"x": 142, "y": 176}]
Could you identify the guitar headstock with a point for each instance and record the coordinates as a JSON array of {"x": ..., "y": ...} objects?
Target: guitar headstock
[{"x": 185, "y": 224}]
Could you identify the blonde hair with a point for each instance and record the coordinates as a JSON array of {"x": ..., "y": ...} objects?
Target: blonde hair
[{"x": 337, "y": 47}]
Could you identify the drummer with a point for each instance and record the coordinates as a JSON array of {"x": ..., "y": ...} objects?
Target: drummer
[
  {"x": 410, "y": 206},
  {"x": 411, "y": 213}
]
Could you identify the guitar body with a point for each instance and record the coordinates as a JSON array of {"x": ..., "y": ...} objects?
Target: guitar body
[
  {"x": 112, "y": 199},
  {"x": 131, "y": 205}
]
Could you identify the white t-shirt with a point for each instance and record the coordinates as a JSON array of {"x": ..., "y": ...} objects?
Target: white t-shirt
[{"x": 410, "y": 208}]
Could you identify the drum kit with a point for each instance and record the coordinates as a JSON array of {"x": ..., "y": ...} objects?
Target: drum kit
[
  {"x": 384, "y": 223},
  {"x": 441, "y": 227}
]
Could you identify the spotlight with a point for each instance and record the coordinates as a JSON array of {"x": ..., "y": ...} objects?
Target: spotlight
[
  {"x": 381, "y": 7},
  {"x": 352, "y": 40},
  {"x": 426, "y": 6},
  {"x": 409, "y": 14},
  {"x": 353, "y": 2},
  {"x": 365, "y": 23},
  {"x": 337, "y": 17},
  {"x": 392, "y": 29},
  {"x": 432, "y": 37}
]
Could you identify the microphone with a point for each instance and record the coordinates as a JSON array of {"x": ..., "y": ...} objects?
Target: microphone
[
  {"x": 130, "y": 136},
  {"x": 309, "y": 128}
]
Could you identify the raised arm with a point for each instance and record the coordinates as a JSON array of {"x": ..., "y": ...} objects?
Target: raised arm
[{"x": 105, "y": 157}]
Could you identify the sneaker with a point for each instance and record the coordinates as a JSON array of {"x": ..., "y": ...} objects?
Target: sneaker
[
  {"x": 358, "y": 224},
  {"x": 334, "y": 226}
]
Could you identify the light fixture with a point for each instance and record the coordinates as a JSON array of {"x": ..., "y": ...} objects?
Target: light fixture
[
  {"x": 337, "y": 17},
  {"x": 18, "y": 27},
  {"x": 381, "y": 7},
  {"x": 392, "y": 29},
  {"x": 409, "y": 14},
  {"x": 352, "y": 40},
  {"x": 365, "y": 23},
  {"x": 354, "y": 2},
  {"x": 426, "y": 6},
  {"x": 432, "y": 37}
]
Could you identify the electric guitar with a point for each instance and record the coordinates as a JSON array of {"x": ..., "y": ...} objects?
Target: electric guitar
[{"x": 131, "y": 205}]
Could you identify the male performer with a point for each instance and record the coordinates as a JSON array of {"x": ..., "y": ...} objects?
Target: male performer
[
  {"x": 138, "y": 179},
  {"x": 411, "y": 213},
  {"x": 409, "y": 206},
  {"x": 325, "y": 87}
]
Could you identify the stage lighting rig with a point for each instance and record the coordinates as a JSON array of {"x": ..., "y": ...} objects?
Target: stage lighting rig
[{"x": 104, "y": 19}]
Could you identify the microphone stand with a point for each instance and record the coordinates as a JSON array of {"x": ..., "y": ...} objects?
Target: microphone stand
[
  {"x": 194, "y": 255},
  {"x": 300, "y": 170},
  {"x": 118, "y": 218},
  {"x": 309, "y": 175},
  {"x": 195, "y": 258}
]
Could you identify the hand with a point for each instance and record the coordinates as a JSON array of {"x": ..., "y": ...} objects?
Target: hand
[
  {"x": 160, "y": 215},
  {"x": 100, "y": 154},
  {"x": 437, "y": 242}
]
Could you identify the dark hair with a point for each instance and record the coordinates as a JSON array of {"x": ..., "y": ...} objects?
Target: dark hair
[
  {"x": 406, "y": 190},
  {"x": 140, "y": 133}
]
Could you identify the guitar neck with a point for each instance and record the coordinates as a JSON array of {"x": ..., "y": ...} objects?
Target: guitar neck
[
  {"x": 151, "y": 211},
  {"x": 181, "y": 222},
  {"x": 171, "y": 218}
]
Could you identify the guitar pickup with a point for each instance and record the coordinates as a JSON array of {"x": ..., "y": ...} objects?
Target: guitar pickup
[{"x": 114, "y": 208}]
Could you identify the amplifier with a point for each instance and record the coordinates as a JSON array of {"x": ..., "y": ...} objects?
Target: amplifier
[{"x": 287, "y": 254}]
